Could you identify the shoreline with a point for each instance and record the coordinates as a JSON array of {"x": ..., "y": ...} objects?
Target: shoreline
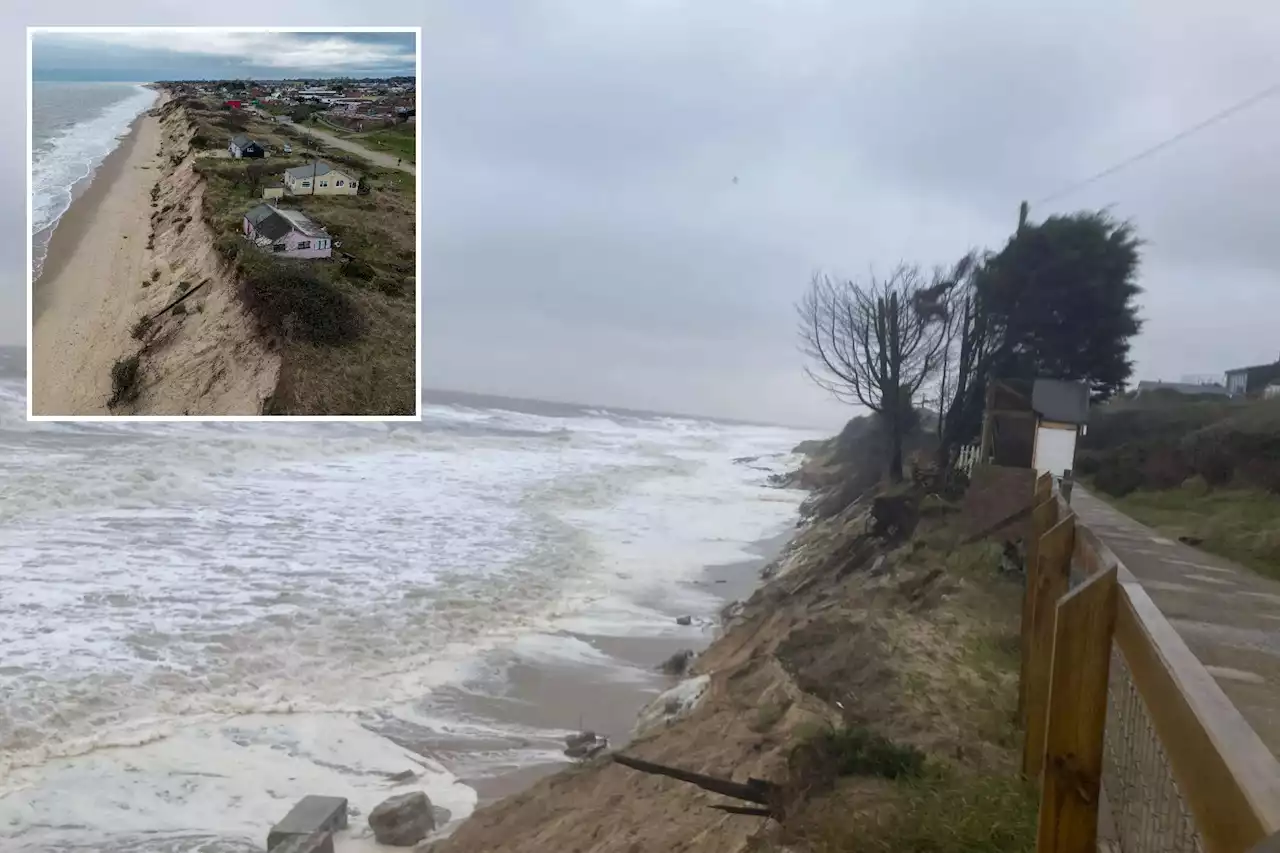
[
  {"x": 61, "y": 241},
  {"x": 78, "y": 306},
  {"x": 560, "y": 695},
  {"x": 82, "y": 185}
]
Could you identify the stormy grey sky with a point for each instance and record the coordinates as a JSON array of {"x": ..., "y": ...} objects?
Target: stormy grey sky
[
  {"x": 147, "y": 54},
  {"x": 584, "y": 238}
]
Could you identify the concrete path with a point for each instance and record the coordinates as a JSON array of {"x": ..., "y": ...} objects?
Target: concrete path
[
  {"x": 1228, "y": 616},
  {"x": 376, "y": 157}
]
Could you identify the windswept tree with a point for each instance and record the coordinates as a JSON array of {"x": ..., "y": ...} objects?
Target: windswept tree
[
  {"x": 874, "y": 343},
  {"x": 970, "y": 343},
  {"x": 1062, "y": 294}
]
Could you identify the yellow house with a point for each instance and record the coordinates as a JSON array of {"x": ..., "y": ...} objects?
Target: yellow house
[{"x": 319, "y": 178}]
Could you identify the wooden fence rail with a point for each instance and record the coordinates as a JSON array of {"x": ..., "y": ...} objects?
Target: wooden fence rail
[{"x": 1116, "y": 708}]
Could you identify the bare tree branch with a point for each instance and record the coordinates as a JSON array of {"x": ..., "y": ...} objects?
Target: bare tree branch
[{"x": 875, "y": 343}]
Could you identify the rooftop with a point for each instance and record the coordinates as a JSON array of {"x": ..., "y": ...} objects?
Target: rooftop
[{"x": 274, "y": 222}]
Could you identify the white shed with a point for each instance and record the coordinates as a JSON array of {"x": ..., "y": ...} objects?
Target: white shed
[{"x": 1061, "y": 408}]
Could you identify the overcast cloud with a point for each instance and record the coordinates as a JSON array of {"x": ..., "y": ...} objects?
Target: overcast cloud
[
  {"x": 146, "y": 54},
  {"x": 584, "y": 238}
]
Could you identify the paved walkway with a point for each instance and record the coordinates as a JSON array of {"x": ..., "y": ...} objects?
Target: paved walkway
[
  {"x": 1228, "y": 616},
  {"x": 376, "y": 157}
]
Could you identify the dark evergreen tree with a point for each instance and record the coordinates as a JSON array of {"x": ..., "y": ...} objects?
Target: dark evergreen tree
[{"x": 1062, "y": 295}]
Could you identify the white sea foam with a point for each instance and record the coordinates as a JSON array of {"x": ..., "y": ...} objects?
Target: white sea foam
[
  {"x": 201, "y": 623},
  {"x": 76, "y": 153}
]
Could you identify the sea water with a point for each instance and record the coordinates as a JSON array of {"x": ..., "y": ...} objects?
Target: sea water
[
  {"x": 74, "y": 126},
  {"x": 201, "y": 623}
]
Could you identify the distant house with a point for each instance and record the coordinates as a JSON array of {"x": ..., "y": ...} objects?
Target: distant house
[
  {"x": 243, "y": 146},
  {"x": 235, "y": 105},
  {"x": 1251, "y": 381},
  {"x": 1272, "y": 391},
  {"x": 1188, "y": 388},
  {"x": 319, "y": 178},
  {"x": 289, "y": 233}
]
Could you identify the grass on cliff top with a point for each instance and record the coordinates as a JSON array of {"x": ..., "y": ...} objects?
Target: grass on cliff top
[
  {"x": 347, "y": 326},
  {"x": 377, "y": 231},
  {"x": 1239, "y": 524},
  {"x": 944, "y": 811},
  {"x": 954, "y": 652},
  {"x": 400, "y": 140}
]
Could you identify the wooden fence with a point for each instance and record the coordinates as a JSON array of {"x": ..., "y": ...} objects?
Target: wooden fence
[{"x": 1131, "y": 741}]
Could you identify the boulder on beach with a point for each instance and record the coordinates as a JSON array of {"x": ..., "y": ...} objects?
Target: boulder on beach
[
  {"x": 678, "y": 663},
  {"x": 402, "y": 820},
  {"x": 584, "y": 745}
]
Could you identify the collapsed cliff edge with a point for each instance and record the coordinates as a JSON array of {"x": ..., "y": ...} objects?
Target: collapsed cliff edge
[
  {"x": 193, "y": 349},
  {"x": 862, "y": 699}
]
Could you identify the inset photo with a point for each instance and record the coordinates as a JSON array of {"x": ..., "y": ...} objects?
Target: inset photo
[{"x": 224, "y": 223}]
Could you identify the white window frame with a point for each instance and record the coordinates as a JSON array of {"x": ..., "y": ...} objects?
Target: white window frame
[{"x": 304, "y": 244}]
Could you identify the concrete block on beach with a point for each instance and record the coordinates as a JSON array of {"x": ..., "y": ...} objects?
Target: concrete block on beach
[
  {"x": 316, "y": 842},
  {"x": 312, "y": 815}
]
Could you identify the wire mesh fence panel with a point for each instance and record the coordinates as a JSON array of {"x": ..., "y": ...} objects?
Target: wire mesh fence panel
[{"x": 1148, "y": 810}]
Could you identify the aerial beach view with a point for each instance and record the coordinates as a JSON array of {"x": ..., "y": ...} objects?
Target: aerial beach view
[{"x": 181, "y": 262}]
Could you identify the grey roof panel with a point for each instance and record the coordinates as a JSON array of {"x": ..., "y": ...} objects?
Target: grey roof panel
[
  {"x": 1061, "y": 400},
  {"x": 317, "y": 169}
]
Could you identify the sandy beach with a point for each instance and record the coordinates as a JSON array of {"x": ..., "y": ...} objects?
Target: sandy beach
[
  {"x": 561, "y": 696},
  {"x": 84, "y": 300}
]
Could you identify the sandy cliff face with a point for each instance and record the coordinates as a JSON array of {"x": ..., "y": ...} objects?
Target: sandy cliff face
[
  {"x": 202, "y": 358},
  {"x": 849, "y": 632}
]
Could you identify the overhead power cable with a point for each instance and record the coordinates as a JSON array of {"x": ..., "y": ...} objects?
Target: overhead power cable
[{"x": 1237, "y": 107}]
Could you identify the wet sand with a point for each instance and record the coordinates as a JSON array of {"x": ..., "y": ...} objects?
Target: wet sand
[
  {"x": 564, "y": 696},
  {"x": 82, "y": 304}
]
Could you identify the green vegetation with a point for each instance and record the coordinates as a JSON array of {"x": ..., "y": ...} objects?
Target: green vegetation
[
  {"x": 854, "y": 751},
  {"x": 945, "y": 812},
  {"x": 1239, "y": 524},
  {"x": 140, "y": 328},
  {"x": 347, "y": 326},
  {"x": 399, "y": 140},
  {"x": 1201, "y": 467},
  {"x": 124, "y": 381},
  {"x": 291, "y": 300},
  {"x": 1058, "y": 301}
]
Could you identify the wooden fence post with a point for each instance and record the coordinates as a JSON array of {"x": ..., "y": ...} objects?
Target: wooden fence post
[
  {"x": 1077, "y": 716},
  {"x": 1043, "y": 517},
  {"x": 1052, "y": 582},
  {"x": 1044, "y": 487}
]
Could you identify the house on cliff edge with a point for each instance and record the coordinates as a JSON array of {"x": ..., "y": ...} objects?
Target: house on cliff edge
[
  {"x": 243, "y": 146},
  {"x": 319, "y": 178},
  {"x": 287, "y": 233}
]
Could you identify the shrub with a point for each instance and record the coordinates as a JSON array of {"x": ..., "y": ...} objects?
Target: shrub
[
  {"x": 1118, "y": 478},
  {"x": 358, "y": 269},
  {"x": 139, "y": 329},
  {"x": 228, "y": 245},
  {"x": 291, "y": 299},
  {"x": 124, "y": 381},
  {"x": 947, "y": 813},
  {"x": 854, "y": 751}
]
